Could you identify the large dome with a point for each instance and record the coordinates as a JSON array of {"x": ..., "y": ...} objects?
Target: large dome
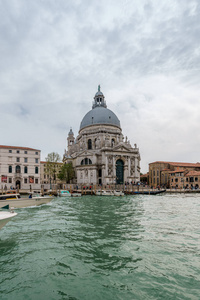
[{"x": 100, "y": 115}]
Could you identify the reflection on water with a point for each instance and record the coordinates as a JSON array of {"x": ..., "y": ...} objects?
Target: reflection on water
[{"x": 134, "y": 247}]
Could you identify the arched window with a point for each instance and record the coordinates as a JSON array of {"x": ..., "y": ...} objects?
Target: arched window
[
  {"x": 86, "y": 161},
  {"x": 18, "y": 169},
  {"x": 113, "y": 142},
  {"x": 36, "y": 170},
  {"x": 10, "y": 169},
  {"x": 25, "y": 169},
  {"x": 89, "y": 144}
]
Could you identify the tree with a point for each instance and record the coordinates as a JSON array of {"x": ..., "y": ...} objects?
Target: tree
[
  {"x": 51, "y": 166},
  {"x": 66, "y": 172}
]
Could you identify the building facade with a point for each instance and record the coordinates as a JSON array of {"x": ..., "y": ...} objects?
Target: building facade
[
  {"x": 100, "y": 154},
  {"x": 50, "y": 180},
  {"x": 184, "y": 179},
  {"x": 171, "y": 174},
  {"x": 19, "y": 167}
]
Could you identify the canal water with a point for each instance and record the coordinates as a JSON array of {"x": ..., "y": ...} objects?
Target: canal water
[{"x": 88, "y": 248}]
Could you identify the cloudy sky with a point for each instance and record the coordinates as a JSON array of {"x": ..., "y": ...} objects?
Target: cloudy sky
[{"x": 144, "y": 54}]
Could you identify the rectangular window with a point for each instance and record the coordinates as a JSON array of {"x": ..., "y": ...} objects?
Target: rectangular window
[
  {"x": 18, "y": 159},
  {"x": 36, "y": 153},
  {"x": 25, "y": 180},
  {"x": 10, "y": 151},
  {"x": 36, "y": 160},
  {"x": 25, "y": 152},
  {"x": 25, "y": 159},
  {"x": 36, "y": 180},
  {"x": 10, "y": 180},
  {"x": 176, "y": 179},
  {"x": 18, "y": 151}
]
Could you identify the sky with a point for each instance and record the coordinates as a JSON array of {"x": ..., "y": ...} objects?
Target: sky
[{"x": 144, "y": 54}]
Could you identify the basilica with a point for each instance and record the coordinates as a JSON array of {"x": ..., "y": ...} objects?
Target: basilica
[{"x": 100, "y": 154}]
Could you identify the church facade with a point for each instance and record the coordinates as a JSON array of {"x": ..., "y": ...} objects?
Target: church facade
[{"x": 100, "y": 154}]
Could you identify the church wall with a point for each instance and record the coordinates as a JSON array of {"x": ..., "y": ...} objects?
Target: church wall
[{"x": 103, "y": 144}]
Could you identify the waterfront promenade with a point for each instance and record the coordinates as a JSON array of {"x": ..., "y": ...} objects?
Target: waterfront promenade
[{"x": 92, "y": 189}]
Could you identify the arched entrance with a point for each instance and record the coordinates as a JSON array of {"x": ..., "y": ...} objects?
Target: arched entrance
[
  {"x": 18, "y": 184},
  {"x": 119, "y": 171}
]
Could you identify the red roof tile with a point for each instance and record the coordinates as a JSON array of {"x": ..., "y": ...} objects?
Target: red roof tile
[
  {"x": 16, "y": 147},
  {"x": 178, "y": 164},
  {"x": 178, "y": 171},
  {"x": 193, "y": 173}
]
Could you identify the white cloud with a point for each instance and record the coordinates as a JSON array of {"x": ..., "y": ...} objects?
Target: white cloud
[{"x": 145, "y": 54}]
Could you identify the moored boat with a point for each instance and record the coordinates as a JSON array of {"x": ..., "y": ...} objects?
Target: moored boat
[
  {"x": 98, "y": 193},
  {"x": 76, "y": 194},
  {"x": 16, "y": 201},
  {"x": 118, "y": 193},
  {"x": 64, "y": 193},
  {"x": 107, "y": 193}
]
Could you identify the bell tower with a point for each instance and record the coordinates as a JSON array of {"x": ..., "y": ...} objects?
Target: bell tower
[{"x": 70, "y": 139}]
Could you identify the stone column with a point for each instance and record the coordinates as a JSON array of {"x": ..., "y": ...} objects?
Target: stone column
[{"x": 125, "y": 169}]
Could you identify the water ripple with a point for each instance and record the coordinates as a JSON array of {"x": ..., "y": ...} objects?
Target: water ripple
[{"x": 135, "y": 247}]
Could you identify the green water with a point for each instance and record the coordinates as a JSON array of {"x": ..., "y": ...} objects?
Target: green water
[{"x": 134, "y": 247}]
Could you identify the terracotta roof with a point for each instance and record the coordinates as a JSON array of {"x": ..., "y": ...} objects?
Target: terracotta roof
[
  {"x": 166, "y": 170},
  {"x": 193, "y": 173},
  {"x": 180, "y": 164},
  {"x": 16, "y": 147},
  {"x": 178, "y": 171}
]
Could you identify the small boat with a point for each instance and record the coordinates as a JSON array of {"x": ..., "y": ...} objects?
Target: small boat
[
  {"x": 6, "y": 216},
  {"x": 118, "y": 193},
  {"x": 107, "y": 193},
  {"x": 98, "y": 193},
  {"x": 16, "y": 201},
  {"x": 38, "y": 196},
  {"x": 64, "y": 193},
  {"x": 153, "y": 192},
  {"x": 76, "y": 194}
]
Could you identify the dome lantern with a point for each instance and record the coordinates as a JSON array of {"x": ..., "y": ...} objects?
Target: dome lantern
[
  {"x": 100, "y": 114},
  {"x": 99, "y": 99}
]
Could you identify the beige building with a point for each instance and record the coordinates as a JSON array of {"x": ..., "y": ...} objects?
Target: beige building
[
  {"x": 100, "y": 153},
  {"x": 47, "y": 180},
  {"x": 185, "y": 179},
  {"x": 19, "y": 167},
  {"x": 170, "y": 174}
]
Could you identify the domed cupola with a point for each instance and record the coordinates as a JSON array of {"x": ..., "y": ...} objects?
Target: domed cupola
[{"x": 100, "y": 114}]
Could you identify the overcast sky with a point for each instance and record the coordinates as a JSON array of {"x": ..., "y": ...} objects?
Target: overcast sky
[{"x": 144, "y": 54}]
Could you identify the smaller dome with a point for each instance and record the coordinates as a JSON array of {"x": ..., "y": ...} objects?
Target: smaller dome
[{"x": 70, "y": 132}]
